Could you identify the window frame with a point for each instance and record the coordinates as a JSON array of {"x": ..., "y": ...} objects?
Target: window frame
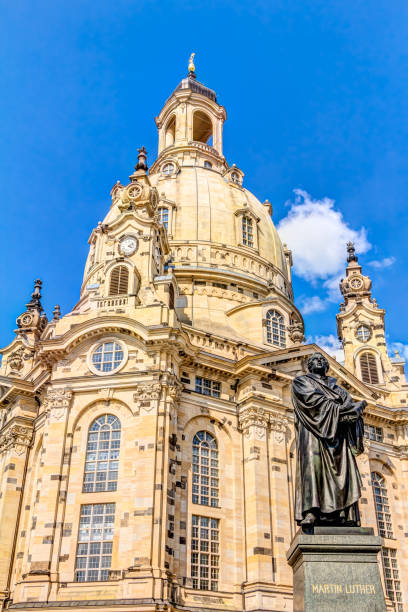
[
  {"x": 165, "y": 224},
  {"x": 239, "y": 226},
  {"x": 392, "y": 576},
  {"x": 201, "y": 544},
  {"x": 282, "y": 329},
  {"x": 96, "y": 345},
  {"x": 385, "y": 518},
  {"x": 92, "y": 542},
  {"x": 359, "y": 337},
  {"x": 372, "y": 432},
  {"x": 369, "y": 354},
  {"x": 119, "y": 267},
  {"x": 205, "y": 469},
  {"x": 113, "y": 446},
  {"x": 214, "y": 387}
]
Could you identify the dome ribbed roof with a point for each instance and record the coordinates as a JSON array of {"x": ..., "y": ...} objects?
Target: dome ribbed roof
[{"x": 190, "y": 82}]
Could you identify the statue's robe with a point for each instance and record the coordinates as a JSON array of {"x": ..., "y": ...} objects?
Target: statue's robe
[{"x": 329, "y": 434}]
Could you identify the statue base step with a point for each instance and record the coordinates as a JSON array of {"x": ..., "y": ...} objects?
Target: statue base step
[{"x": 336, "y": 569}]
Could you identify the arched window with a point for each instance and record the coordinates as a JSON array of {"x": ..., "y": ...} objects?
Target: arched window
[
  {"x": 119, "y": 281},
  {"x": 382, "y": 507},
  {"x": 102, "y": 455},
  {"x": 247, "y": 232},
  {"x": 205, "y": 469},
  {"x": 171, "y": 132},
  {"x": 207, "y": 164},
  {"x": 164, "y": 217},
  {"x": 275, "y": 328},
  {"x": 202, "y": 127},
  {"x": 368, "y": 367}
]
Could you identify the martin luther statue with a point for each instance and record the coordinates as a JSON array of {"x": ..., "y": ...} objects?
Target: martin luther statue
[{"x": 329, "y": 435}]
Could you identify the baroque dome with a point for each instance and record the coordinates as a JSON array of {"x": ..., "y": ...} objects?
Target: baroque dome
[
  {"x": 220, "y": 249},
  {"x": 207, "y": 221}
]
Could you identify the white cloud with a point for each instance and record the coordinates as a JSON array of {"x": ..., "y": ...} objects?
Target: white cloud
[
  {"x": 312, "y": 304},
  {"x": 330, "y": 344},
  {"x": 317, "y": 235},
  {"x": 400, "y": 347},
  {"x": 382, "y": 263}
]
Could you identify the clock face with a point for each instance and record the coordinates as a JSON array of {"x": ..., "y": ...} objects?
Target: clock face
[
  {"x": 134, "y": 191},
  {"x": 128, "y": 245},
  {"x": 356, "y": 283}
]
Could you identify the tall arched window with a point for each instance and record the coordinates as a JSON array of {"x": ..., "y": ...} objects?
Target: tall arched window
[
  {"x": 171, "y": 132},
  {"x": 275, "y": 328},
  {"x": 368, "y": 367},
  {"x": 202, "y": 127},
  {"x": 205, "y": 469},
  {"x": 247, "y": 232},
  {"x": 102, "y": 455},
  {"x": 164, "y": 217},
  {"x": 119, "y": 281},
  {"x": 382, "y": 507}
]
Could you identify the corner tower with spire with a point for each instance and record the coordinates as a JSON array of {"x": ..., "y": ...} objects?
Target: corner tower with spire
[{"x": 361, "y": 330}]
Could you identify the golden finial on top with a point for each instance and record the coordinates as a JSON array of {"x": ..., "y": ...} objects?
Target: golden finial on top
[{"x": 191, "y": 67}]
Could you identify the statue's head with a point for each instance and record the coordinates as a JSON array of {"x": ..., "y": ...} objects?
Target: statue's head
[{"x": 317, "y": 363}]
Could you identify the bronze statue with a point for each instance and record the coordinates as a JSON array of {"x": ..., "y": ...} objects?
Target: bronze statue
[{"x": 329, "y": 435}]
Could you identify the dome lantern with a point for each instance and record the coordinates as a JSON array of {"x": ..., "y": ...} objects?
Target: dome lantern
[{"x": 191, "y": 117}]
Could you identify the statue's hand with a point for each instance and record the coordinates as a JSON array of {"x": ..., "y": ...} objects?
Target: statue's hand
[{"x": 359, "y": 406}]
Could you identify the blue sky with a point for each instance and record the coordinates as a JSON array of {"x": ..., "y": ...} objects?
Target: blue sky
[{"x": 316, "y": 96}]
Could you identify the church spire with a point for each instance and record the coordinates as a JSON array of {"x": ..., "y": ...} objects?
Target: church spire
[
  {"x": 355, "y": 286},
  {"x": 33, "y": 321},
  {"x": 35, "y": 302}
]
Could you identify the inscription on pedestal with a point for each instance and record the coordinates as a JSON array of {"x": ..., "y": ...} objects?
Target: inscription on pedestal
[
  {"x": 347, "y": 589},
  {"x": 336, "y": 570}
]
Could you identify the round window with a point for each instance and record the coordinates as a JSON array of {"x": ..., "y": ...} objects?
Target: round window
[
  {"x": 107, "y": 357},
  {"x": 168, "y": 169},
  {"x": 363, "y": 333}
]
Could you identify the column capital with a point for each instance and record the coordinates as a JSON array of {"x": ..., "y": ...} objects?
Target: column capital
[
  {"x": 57, "y": 401},
  {"x": 16, "y": 437}
]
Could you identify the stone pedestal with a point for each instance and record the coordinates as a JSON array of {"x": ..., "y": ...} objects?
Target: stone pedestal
[{"x": 336, "y": 570}]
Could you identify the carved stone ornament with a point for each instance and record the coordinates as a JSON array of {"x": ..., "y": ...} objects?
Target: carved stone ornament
[
  {"x": 296, "y": 333},
  {"x": 17, "y": 437},
  {"x": 256, "y": 418},
  {"x": 15, "y": 361},
  {"x": 57, "y": 401},
  {"x": 146, "y": 393},
  {"x": 279, "y": 426},
  {"x": 174, "y": 391},
  {"x": 261, "y": 420}
]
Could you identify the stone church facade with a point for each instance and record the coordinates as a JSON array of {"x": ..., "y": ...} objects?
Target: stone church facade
[{"x": 146, "y": 437}]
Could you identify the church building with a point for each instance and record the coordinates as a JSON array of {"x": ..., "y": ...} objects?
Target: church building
[{"x": 147, "y": 448}]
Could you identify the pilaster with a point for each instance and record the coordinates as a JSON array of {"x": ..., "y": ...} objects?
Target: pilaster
[
  {"x": 50, "y": 495},
  {"x": 15, "y": 440},
  {"x": 253, "y": 421}
]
